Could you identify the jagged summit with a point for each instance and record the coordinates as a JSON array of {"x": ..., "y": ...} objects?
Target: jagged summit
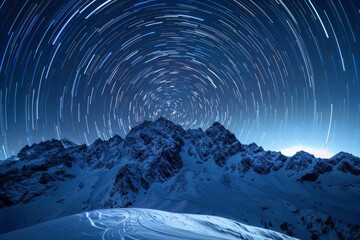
[
  {"x": 303, "y": 154},
  {"x": 342, "y": 155},
  {"x": 116, "y": 138},
  {"x": 67, "y": 143},
  {"x": 160, "y": 165},
  {"x": 162, "y": 125},
  {"x": 164, "y": 120},
  {"x": 218, "y": 125}
]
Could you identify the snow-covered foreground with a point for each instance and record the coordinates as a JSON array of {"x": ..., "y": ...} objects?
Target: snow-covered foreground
[{"x": 136, "y": 223}]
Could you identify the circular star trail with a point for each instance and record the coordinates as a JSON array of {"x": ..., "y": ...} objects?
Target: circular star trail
[{"x": 278, "y": 73}]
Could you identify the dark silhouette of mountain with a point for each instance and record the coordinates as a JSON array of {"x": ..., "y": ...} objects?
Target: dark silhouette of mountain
[{"x": 160, "y": 165}]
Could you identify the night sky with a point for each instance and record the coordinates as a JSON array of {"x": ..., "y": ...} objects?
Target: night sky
[{"x": 275, "y": 72}]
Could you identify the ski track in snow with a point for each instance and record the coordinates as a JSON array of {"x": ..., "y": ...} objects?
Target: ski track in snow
[{"x": 132, "y": 223}]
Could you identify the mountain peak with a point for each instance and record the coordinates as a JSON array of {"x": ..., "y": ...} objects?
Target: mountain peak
[
  {"x": 341, "y": 155},
  {"x": 302, "y": 153},
  {"x": 98, "y": 141},
  {"x": 116, "y": 138},
  {"x": 163, "y": 119},
  {"x": 67, "y": 143},
  {"x": 159, "y": 126},
  {"x": 218, "y": 131},
  {"x": 218, "y": 126}
]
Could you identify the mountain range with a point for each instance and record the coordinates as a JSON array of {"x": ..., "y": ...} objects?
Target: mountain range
[{"x": 159, "y": 165}]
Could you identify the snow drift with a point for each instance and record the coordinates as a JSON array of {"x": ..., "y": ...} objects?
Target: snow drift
[{"x": 133, "y": 223}]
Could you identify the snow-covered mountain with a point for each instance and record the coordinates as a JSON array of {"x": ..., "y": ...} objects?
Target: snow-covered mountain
[
  {"x": 135, "y": 223},
  {"x": 160, "y": 165}
]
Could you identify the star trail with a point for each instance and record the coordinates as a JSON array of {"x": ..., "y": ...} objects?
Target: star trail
[{"x": 275, "y": 72}]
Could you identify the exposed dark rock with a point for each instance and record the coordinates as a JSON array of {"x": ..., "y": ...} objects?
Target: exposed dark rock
[
  {"x": 300, "y": 161},
  {"x": 347, "y": 163},
  {"x": 46, "y": 178},
  {"x": 6, "y": 200},
  {"x": 128, "y": 179},
  {"x": 312, "y": 177}
]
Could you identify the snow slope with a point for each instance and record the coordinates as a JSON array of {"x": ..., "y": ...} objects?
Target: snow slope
[
  {"x": 160, "y": 165},
  {"x": 135, "y": 223}
]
